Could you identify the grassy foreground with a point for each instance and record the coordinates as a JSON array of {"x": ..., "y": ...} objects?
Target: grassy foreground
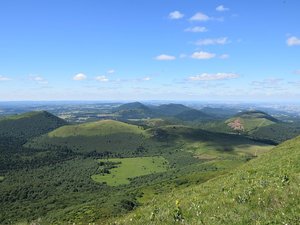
[
  {"x": 129, "y": 168},
  {"x": 264, "y": 191}
]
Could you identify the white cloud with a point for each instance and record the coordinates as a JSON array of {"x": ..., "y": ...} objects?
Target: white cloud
[
  {"x": 175, "y": 15},
  {"x": 79, "y": 76},
  {"x": 222, "y": 8},
  {"x": 203, "y": 55},
  {"x": 111, "y": 71},
  {"x": 38, "y": 79},
  {"x": 293, "y": 41},
  {"x": 212, "y": 77},
  {"x": 196, "y": 29},
  {"x": 297, "y": 72},
  {"x": 102, "y": 78},
  {"x": 3, "y": 78},
  {"x": 164, "y": 57},
  {"x": 224, "y": 56},
  {"x": 211, "y": 41},
  {"x": 200, "y": 17}
]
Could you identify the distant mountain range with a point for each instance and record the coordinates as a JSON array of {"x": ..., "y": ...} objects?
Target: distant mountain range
[{"x": 137, "y": 110}]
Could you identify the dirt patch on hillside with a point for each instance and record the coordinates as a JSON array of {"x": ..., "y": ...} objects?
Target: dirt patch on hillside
[
  {"x": 236, "y": 125},
  {"x": 205, "y": 157}
]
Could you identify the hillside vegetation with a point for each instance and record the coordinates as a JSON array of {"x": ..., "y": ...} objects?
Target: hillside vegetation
[
  {"x": 101, "y": 136},
  {"x": 257, "y": 125},
  {"x": 28, "y": 125},
  {"x": 137, "y": 110},
  {"x": 93, "y": 172},
  {"x": 263, "y": 191},
  {"x": 249, "y": 122},
  {"x": 170, "y": 109}
]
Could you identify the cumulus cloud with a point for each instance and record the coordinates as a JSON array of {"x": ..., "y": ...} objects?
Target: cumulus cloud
[
  {"x": 196, "y": 29},
  {"x": 292, "y": 41},
  {"x": 213, "y": 41},
  {"x": 79, "y": 76},
  {"x": 200, "y": 17},
  {"x": 175, "y": 15},
  {"x": 222, "y": 8},
  {"x": 3, "y": 78},
  {"x": 212, "y": 77},
  {"x": 102, "y": 78},
  {"x": 164, "y": 57},
  {"x": 203, "y": 55}
]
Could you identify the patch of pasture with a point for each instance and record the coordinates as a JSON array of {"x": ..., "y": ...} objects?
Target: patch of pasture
[{"x": 130, "y": 168}]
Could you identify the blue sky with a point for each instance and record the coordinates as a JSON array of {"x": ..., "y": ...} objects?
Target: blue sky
[{"x": 150, "y": 50}]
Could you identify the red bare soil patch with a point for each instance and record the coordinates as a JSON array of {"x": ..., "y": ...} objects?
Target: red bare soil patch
[{"x": 236, "y": 125}]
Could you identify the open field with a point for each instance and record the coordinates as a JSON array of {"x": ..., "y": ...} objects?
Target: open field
[{"x": 130, "y": 168}]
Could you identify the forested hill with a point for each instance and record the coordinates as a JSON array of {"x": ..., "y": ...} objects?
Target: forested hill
[{"x": 28, "y": 125}]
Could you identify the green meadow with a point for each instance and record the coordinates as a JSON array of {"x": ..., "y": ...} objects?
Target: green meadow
[{"x": 128, "y": 168}]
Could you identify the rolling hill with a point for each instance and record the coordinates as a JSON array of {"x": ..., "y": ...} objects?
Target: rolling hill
[
  {"x": 101, "y": 136},
  {"x": 137, "y": 110},
  {"x": 250, "y": 121},
  {"x": 134, "y": 110},
  {"x": 132, "y": 106},
  {"x": 29, "y": 125},
  {"x": 257, "y": 125},
  {"x": 263, "y": 191}
]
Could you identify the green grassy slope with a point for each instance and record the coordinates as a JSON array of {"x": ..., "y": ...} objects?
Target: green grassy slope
[
  {"x": 132, "y": 106},
  {"x": 256, "y": 124},
  {"x": 278, "y": 132},
  {"x": 29, "y": 125},
  {"x": 99, "y": 128},
  {"x": 263, "y": 191},
  {"x": 218, "y": 147},
  {"x": 134, "y": 110},
  {"x": 251, "y": 121},
  {"x": 101, "y": 136}
]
